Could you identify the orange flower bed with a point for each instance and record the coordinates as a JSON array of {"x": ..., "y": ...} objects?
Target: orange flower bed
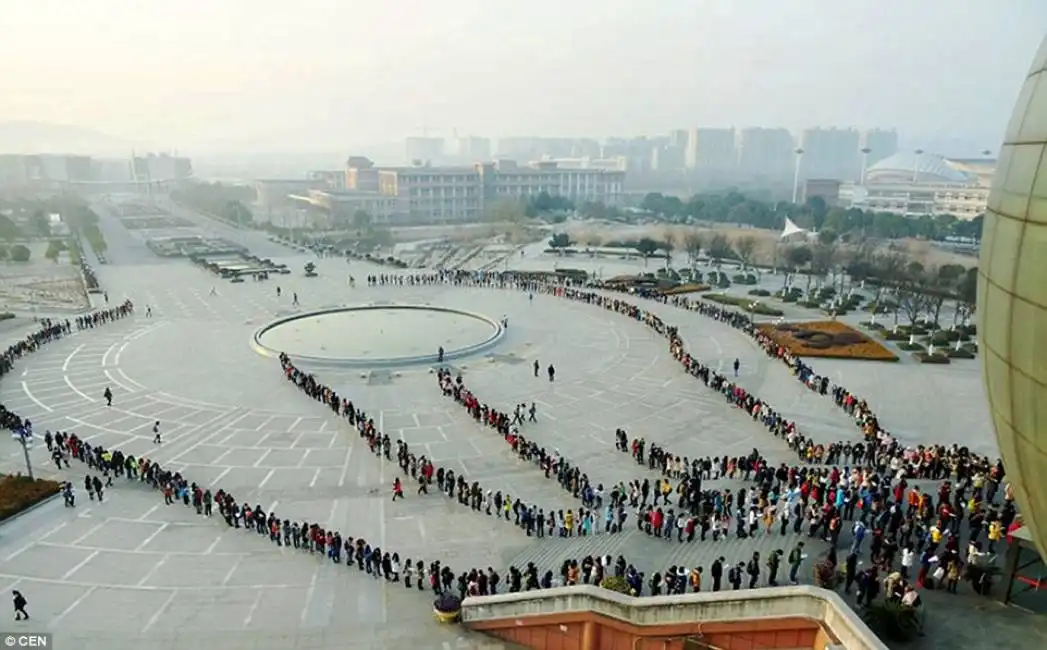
[{"x": 826, "y": 339}]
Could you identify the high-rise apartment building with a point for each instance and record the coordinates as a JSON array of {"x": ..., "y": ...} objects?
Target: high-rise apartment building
[
  {"x": 766, "y": 155},
  {"x": 712, "y": 151},
  {"x": 881, "y": 144},
  {"x": 423, "y": 149},
  {"x": 830, "y": 154},
  {"x": 473, "y": 149}
]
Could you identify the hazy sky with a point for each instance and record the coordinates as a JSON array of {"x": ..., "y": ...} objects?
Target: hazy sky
[{"x": 312, "y": 74}]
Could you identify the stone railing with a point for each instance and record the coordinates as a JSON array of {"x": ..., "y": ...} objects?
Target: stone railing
[{"x": 821, "y": 606}]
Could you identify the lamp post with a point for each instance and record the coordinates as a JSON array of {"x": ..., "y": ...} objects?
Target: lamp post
[
  {"x": 916, "y": 164},
  {"x": 25, "y": 438},
  {"x": 796, "y": 173},
  {"x": 865, "y": 163}
]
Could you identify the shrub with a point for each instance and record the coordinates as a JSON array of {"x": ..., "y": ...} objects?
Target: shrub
[
  {"x": 19, "y": 253},
  {"x": 615, "y": 583},
  {"x": 744, "y": 278},
  {"x": 912, "y": 347},
  {"x": 942, "y": 337},
  {"x": 19, "y": 493},
  {"x": 962, "y": 353},
  {"x": 762, "y": 309},
  {"x": 937, "y": 358},
  {"x": 893, "y": 621},
  {"x": 690, "y": 287},
  {"x": 723, "y": 282},
  {"x": 763, "y": 293},
  {"x": 54, "y": 249},
  {"x": 891, "y": 335},
  {"x": 6, "y": 315},
  {"x": 873, "y": 325},
  {"x": 810, "y": 304}
]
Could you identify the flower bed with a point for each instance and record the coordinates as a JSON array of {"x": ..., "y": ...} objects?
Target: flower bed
[
  {"x": 826, "y": 339},
  {"x": 19, "y": 493}
]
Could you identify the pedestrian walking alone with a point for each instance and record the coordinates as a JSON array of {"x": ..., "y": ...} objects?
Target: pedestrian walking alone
[{"x": 20, "y": 603}]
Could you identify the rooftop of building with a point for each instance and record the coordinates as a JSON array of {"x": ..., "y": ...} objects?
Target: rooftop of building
[{"x": 922, "y": 168}]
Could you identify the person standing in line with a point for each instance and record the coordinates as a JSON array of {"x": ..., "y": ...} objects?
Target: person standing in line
[
  {"x": 737, "y": 365},
  {"x": 20, "y": 603},
  {"x": 156, "y": 433},
  {"x": 108, "y": 395},
  {"x": 536, "y": 367},
  {"x": 795, "y": 560}
]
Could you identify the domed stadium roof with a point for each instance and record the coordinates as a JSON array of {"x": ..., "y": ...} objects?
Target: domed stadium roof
[{"x": 926, "y": 167}]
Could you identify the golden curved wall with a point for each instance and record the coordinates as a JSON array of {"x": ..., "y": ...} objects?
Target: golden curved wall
[{"x": 1012, "y": 300}]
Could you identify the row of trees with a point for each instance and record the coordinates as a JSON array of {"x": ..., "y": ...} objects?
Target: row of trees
[
  {"x": 734, "y": 207},
  {"x": 227, "y": 202}
]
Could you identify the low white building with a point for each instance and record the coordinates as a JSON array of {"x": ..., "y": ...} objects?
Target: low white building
[{"x": 915, "y": 184}]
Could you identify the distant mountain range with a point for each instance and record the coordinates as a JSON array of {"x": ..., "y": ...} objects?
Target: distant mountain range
[{"x": 28, "y": 137}]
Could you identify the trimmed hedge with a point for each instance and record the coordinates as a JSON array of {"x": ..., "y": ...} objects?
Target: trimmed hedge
[
  {"x": 936, "y": 359},
  {"x": 19, "y": 493}
]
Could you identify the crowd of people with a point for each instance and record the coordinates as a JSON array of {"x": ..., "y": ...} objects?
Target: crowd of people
[
  {"x": 863, "y": 488},
  {"x": 874, "y": 476}
]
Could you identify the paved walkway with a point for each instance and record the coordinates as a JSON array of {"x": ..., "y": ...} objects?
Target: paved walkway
[{"x": 107, "y": 575}]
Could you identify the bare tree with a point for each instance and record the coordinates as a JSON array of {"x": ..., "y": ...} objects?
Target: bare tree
[
  {"x": 718, "y": 248},
  {"x": 692, "y": 243},
  {"x": 913, "y": 298},
  {"x": 744, "y": 247}
]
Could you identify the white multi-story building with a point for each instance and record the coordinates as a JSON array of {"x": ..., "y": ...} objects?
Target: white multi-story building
[
  {"x": 914, "y": 184},
  {"x": 445, "y": 194}
]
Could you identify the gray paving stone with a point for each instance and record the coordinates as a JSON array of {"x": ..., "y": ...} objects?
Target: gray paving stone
[{"x": 228, "y": 418}]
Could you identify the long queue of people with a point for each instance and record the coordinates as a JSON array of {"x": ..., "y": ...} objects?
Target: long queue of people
[
  {"x": 704, "y": 506},
  {"x": 50, "y": 330},
  {"x": 876, "y": 482}
]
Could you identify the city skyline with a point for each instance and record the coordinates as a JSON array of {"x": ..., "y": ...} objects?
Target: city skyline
[{"x": 363, "y": 76}]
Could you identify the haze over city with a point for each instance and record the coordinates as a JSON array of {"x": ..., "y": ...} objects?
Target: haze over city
[{"x": 237, "y": 76}]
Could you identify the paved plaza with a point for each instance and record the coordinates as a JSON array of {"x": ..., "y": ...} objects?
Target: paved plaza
[{"x": 112, "y": 574}]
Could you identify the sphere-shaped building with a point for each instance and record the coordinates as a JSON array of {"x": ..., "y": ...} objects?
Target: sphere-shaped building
[{"x": 1012, "y": 300}]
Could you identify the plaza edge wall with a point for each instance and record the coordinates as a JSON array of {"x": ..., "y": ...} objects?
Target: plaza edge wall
[
  {"x": 1012, "y": 300},
  {"x": 585, "y": 617}
]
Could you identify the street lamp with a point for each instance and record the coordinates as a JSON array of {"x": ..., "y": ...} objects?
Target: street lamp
[
  {"x": 796, "y": 173},
  {"x": 916, "y": 164},
  {"x": 25, "y": 438}
]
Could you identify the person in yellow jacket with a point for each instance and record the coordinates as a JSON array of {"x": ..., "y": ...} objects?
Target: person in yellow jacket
[
  {"x": 995, "y": 534},
  {"x": 568, "y": 523},
  {"x": 695, "y": 578}
]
